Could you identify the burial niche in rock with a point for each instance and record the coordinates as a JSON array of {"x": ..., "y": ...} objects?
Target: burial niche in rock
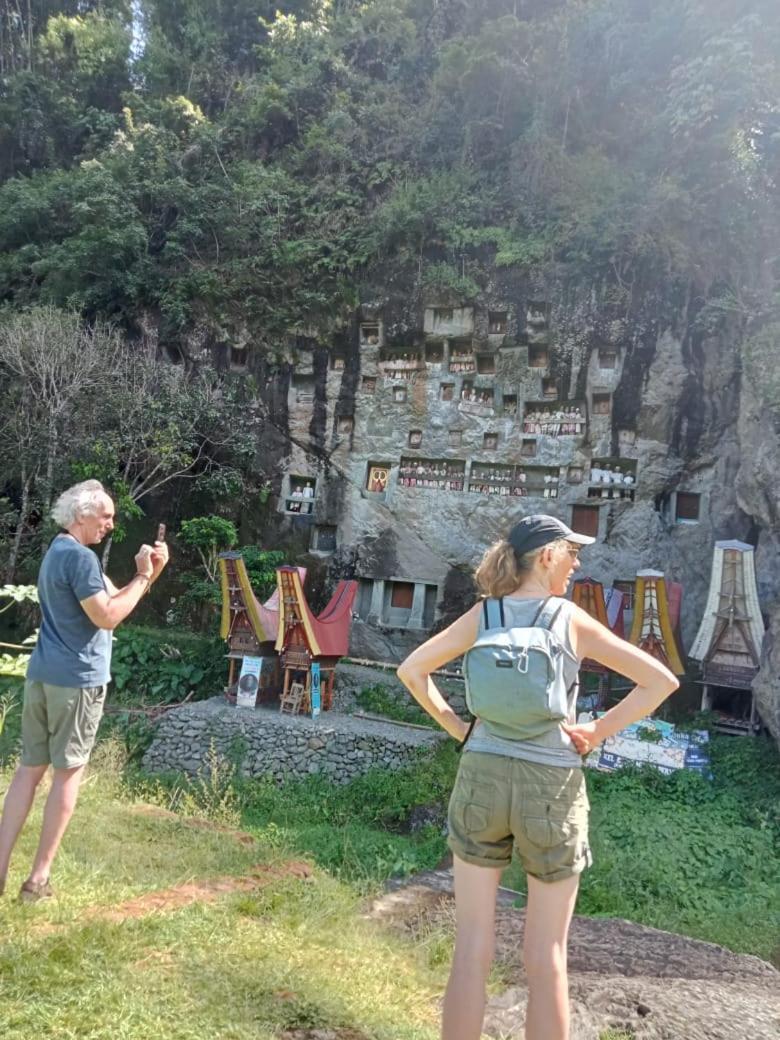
[
  {"x": 432, "y": 474},
  {"x": 612, "y": 478},
  {"x": 301, "y": 495},
  {"x": 377, "y": 477}
]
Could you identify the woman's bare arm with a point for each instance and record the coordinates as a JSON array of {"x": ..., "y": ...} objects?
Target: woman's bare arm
[
  {"x": 415, "y": 671},
  {"x": 654, "y": 681}
]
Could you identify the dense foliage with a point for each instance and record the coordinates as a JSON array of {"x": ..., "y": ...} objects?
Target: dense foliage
[
  {"x": 241, "y": 166},
  {"x": 209, "y": 176},
  {"x": 77, "y": 402},
  {"x": 157, "y": 667}
]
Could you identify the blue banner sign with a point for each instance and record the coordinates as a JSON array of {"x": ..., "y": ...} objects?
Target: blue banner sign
[{"x": 316, "y": 700}]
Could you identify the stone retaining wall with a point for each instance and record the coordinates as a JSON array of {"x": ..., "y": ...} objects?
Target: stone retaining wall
[{"x": 266, "y": 743}]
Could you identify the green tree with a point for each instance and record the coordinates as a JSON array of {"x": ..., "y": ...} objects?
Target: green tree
[
  {"x": 208, "y": 536},
  {"x": 53, "y": 371}
]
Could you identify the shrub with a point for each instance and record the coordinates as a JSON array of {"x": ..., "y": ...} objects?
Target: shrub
[
  {"x": 261, "y": 567},
  {"x": 161, "y": 666}
]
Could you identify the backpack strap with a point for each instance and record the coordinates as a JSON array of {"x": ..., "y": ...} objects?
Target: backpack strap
[
  {"x": 465, "y": 740},
  {"x": 492, "y": 617},
  {"x": 547, "y": 614},
  {"x": 493, "y": 613}
]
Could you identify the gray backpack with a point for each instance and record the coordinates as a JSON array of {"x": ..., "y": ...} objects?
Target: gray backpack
[{"x": 515, "y": 680}]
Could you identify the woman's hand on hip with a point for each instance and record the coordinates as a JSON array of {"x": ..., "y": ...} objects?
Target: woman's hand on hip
[{"x": 584, "y": 736}]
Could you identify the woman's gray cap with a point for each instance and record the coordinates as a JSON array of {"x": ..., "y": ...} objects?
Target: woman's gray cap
[{"x": 532, "y": 532}]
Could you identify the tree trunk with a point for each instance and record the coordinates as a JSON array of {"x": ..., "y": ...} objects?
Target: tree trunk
[
  {"x": 48, "y": 488},
  {"x": 13, "y": 556},
  {"x": 107, "y": 551},
  {"x": 29, "y": 34}
]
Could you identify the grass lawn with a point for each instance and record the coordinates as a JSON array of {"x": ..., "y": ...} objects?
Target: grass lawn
[
  {"x": 102, "y": 961},
  {"x": 295, "y": 953},
  {"x": 679, "y": 853}
]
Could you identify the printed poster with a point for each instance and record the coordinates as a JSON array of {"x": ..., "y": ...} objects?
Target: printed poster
[
  {"x": 656, "y": 743},
  {"x": 249, "y": 682},
  {"x": 316, "y": 700}
]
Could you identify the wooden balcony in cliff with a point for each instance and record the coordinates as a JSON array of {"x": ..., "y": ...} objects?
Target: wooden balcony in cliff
[
  {"x": 432, "y": 474},
  {"x": 559, "y": 419},
  {"x": 403, "y": 364},
  {"x": 514, "y": 481}
]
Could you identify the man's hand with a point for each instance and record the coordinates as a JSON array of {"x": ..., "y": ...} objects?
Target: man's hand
[
  {"x": 143, "y": 562},
  {"x": 159, "y": 559}
]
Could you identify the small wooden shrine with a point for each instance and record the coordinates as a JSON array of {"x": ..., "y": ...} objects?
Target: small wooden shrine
[
  {"x": 303, "y": 639},
  {"x": 249, "y": 627},
  {"x": 606, "y": 606},
  {"x": 728, "y": 643},
  {"x": 656, "y": 619}
]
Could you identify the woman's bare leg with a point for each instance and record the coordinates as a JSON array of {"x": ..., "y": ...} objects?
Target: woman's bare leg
[
  {"x": 475, "y": 913},
  {"x": 549, "y": 913}
]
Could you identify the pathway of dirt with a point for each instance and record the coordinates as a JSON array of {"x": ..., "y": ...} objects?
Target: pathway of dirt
[
  {"x": 323, "y": 1034},
  {"x": 207, "y": 891}
]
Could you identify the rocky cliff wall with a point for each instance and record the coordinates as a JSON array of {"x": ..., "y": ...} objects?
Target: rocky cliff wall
[{"x": 426, "y": 425}]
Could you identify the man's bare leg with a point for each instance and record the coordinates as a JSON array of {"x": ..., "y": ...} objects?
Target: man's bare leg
[
  {"x": 18, "y": 802},
  {"x": 57, "y": 812}
]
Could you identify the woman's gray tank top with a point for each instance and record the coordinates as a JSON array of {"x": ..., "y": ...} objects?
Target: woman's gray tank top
[{"x": 553, "y": 748}]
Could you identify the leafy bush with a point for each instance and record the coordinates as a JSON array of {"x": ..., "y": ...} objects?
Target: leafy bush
[
  {"x": 208, "y": 536},
  {"x": 18, "y": 594},
  {"x": 350, "y": 828},
  {"x": 11, "y": 690},
  {"x": 261, "y": 567},
  {"x": 7, "y": 704},
  {"x": 159, "y": 666},
  {"x": 133, "y": 732}
]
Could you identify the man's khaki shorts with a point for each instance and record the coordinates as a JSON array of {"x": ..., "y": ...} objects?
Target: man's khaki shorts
[
  {"x": 60, "y": 723},
  {"x": 500, "y": 802}
]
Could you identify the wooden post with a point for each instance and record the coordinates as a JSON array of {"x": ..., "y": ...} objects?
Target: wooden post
[{"x": 306, "y": 706}]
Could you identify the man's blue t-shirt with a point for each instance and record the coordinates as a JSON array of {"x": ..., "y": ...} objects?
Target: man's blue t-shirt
[{"x": 70, "y": 651}]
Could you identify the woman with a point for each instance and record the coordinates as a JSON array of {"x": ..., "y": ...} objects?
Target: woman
[{"x": 529, "y": 794}]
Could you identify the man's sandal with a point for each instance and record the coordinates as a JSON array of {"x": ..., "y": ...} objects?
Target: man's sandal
[{"x": 35, "y": 891}]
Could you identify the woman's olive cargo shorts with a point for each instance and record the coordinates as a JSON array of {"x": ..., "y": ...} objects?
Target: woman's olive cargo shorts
[{"x": 542, "y": 811}]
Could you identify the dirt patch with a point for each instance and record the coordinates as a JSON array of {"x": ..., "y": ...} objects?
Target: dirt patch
[
  {"x": 207, "y": 891},
  {"x": 323, "y": 1034},
  {"x": 195, "y": 824}
]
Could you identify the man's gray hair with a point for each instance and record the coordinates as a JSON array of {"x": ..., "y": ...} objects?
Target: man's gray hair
[{"x": 79, "y": 500}]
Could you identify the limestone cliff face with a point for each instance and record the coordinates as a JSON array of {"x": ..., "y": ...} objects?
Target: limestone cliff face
[
  {"x": 427, "y": 425},
  {"x": 759, "y": 496}
]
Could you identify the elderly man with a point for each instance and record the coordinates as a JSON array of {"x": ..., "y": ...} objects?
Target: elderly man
[{"x": 65, "y": 687}]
